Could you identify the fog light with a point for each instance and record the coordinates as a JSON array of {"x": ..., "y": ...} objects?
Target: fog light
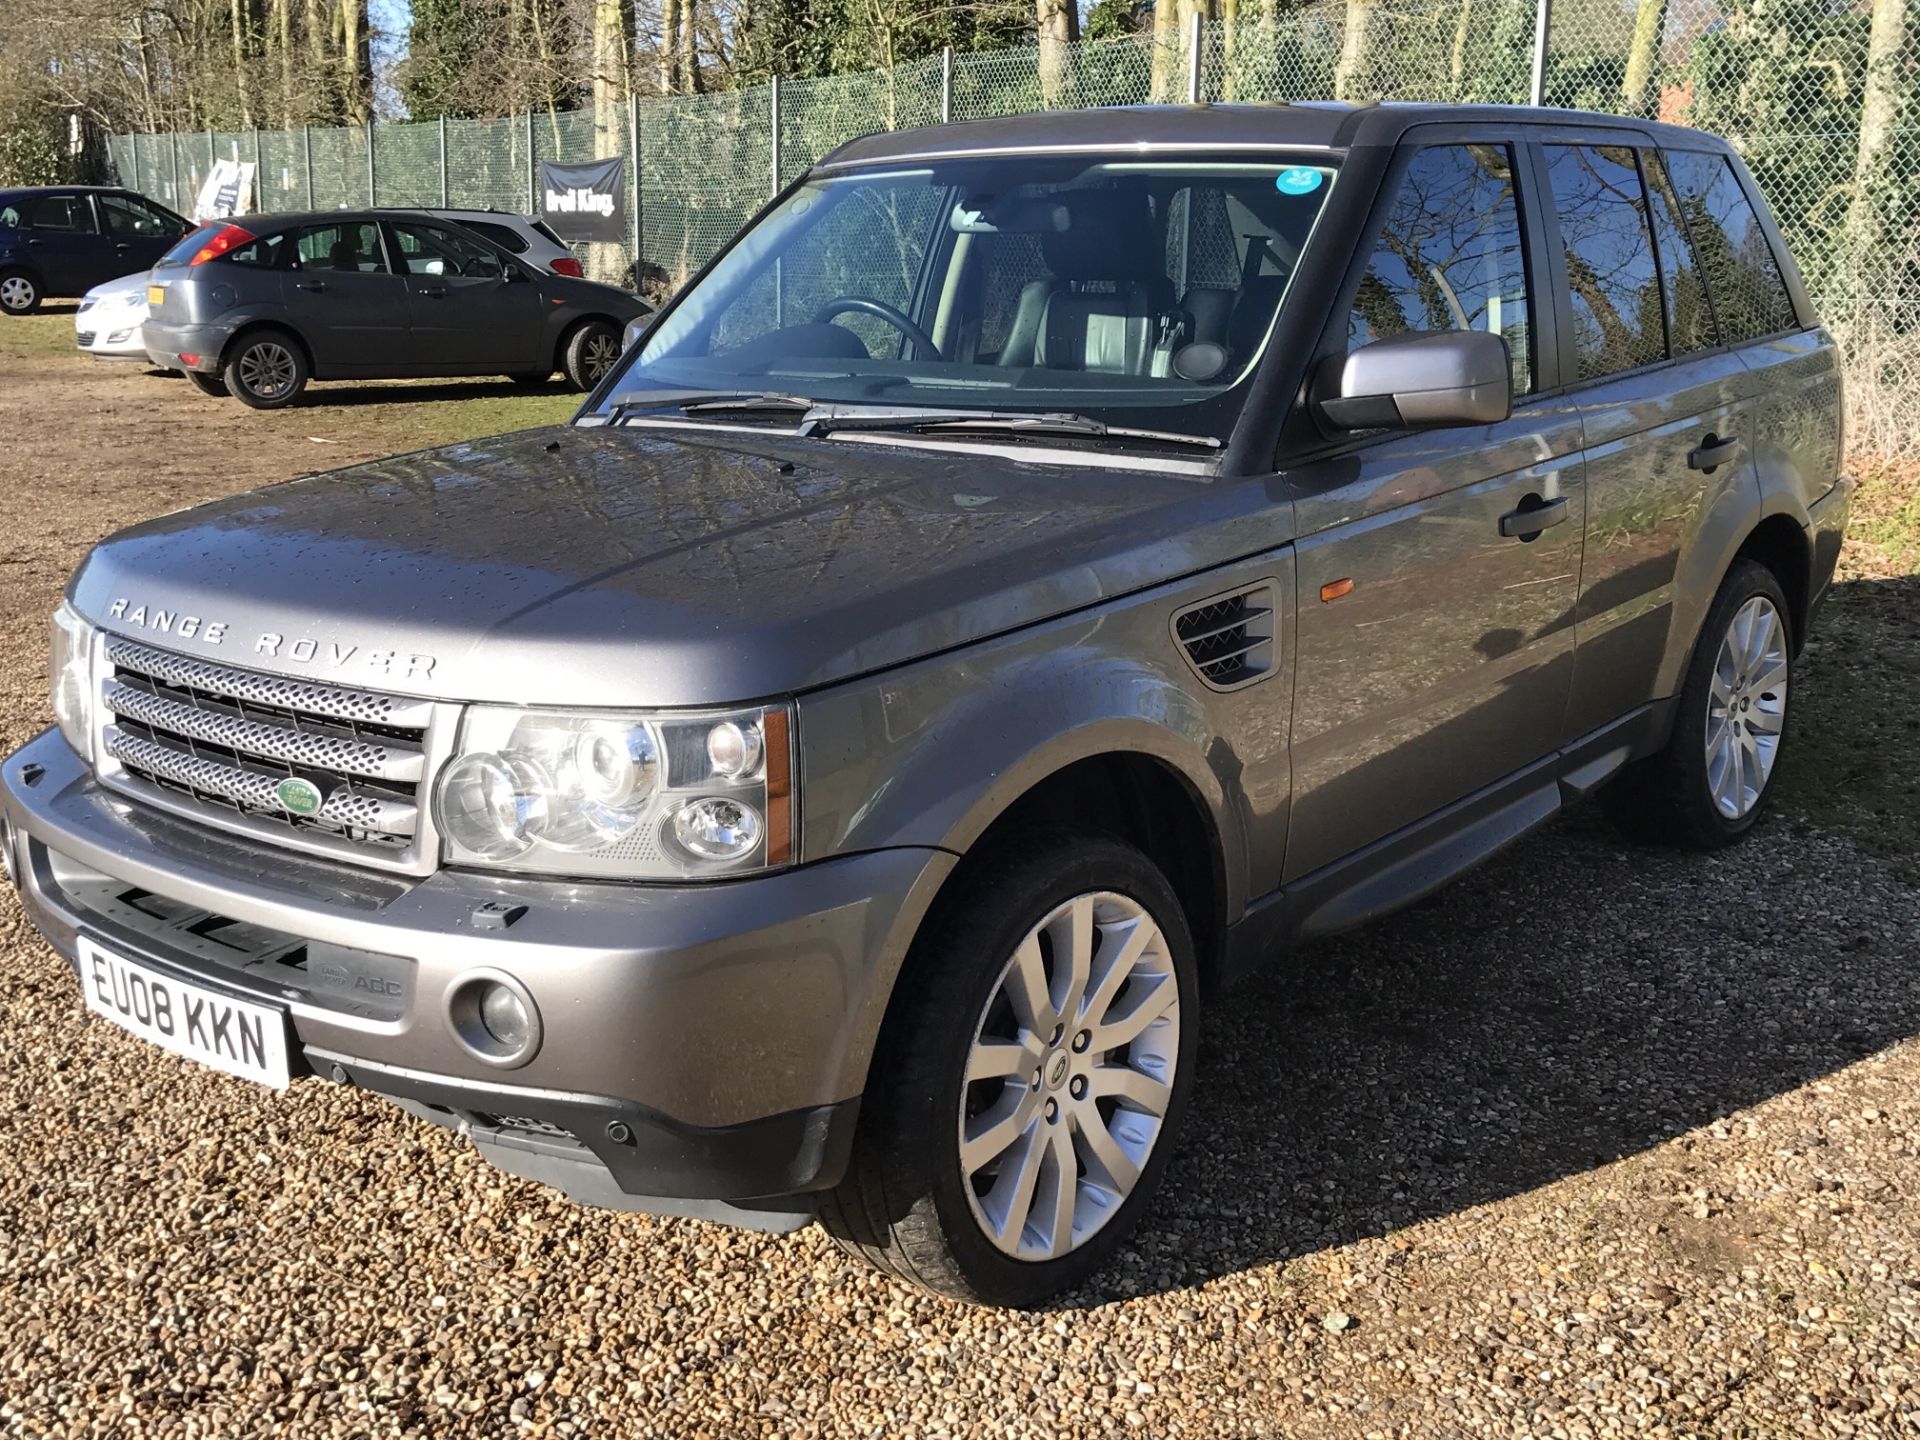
[{"x": 494, "y": 1017}]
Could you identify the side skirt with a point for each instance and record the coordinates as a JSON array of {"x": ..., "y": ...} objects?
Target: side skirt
[{"x": 1413, "y": 862}]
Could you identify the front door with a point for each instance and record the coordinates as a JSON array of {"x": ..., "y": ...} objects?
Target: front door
[
  {"x": 139, "y": 232},
  {"x": 1433, "y": 653},
  {"x": 473, "y": 311},
  {"x": 1667, "y": 416},
  {"x": 348, "y": 302}
]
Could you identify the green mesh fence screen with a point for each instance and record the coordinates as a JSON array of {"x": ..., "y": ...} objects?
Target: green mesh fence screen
[{"x": 1823, "y": 108}]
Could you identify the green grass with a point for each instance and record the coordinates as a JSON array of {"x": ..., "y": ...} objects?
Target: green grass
[{"x": 34, "y": 337}]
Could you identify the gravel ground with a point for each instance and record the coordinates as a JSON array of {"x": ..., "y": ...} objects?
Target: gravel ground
[{"x": 1600, "y": 1141}]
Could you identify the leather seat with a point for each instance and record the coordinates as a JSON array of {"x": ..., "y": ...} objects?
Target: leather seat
[{"x": 1108, "y": 297}]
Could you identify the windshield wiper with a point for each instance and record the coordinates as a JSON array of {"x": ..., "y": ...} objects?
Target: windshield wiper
[
  {"x": 824, "y": 419},
  {"x": 705, "y": 402}
]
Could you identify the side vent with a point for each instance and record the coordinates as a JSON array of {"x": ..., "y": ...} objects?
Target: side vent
[{"x": 1229, "y": 639}]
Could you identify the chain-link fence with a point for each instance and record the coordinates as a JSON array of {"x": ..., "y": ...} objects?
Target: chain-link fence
[{"x": 1820, "y": 97}]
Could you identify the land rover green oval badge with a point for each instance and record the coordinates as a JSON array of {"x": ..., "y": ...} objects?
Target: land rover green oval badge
[{"x": 299, "y": 797}]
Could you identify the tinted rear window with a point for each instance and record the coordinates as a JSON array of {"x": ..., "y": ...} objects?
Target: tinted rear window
[
  {"x": 189, "y": 244},
  {"x": 1743, "y": 276},
  {"x": 508, "y": 239},
  {"x": 1614, "y": 284}
]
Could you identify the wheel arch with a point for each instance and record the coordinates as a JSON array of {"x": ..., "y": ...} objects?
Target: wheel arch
[
  {"x": 1781, "y": 544},
  {"x": 254, "y": 325}
]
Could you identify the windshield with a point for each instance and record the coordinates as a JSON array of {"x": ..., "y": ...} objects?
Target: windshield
[{"x": 1137, "y": 294}]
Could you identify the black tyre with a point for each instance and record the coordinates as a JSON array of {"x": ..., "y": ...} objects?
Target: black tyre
[
  {"x": 591, "y": 351},
  {"x": 208, "y": 384},
  {"x": 1031, "y": 1076},
  {"x": 266, "y": 369},
  {"x": 1716, "y": 774},
  {"x": 19, "y": 292}
]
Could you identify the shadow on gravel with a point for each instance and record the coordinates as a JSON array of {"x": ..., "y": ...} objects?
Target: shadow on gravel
[
  {"x": 349, "y": 395},
  {"x": 1575, "y": 1001}
]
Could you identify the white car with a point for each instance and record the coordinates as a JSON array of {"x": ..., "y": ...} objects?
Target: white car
[{"x": 107, "y": 324}]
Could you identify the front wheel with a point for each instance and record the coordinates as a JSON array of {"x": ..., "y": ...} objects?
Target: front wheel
[
  {"x": 1715, "y": 775},
  {"x": 1030, "y": 1085},
  {"x": 266, "y": 370},
  {"x": 592, "y": 350}
]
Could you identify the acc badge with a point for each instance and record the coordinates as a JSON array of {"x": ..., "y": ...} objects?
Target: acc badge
[{"x": 299, "y": 797}]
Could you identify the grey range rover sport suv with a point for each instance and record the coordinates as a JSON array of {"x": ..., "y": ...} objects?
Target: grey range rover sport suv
[{"x": 1041, "y": 570}]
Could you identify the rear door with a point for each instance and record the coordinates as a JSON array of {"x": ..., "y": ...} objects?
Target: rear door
[
  {"x": 347, "y": 301},
  {"x": 1433, "y": 654},
  {"x": 473, "y": 311},
  {"x": 64, "y": 242},
  {"x": 139, "y": 232},
  {"x": 1665, "y": 409}
]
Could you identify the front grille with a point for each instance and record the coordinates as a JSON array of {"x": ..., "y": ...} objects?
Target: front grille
[
  {"x": 223, "y": 740},
  {"x": 84, "y": 338}
]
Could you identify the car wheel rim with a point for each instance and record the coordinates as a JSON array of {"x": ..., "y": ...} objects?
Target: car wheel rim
[
  {"x": 267, "y": 370},
  {"x": 1069, "y": 1076},
  {"x": 16, "y": 293},
  {"x": 1746, "y": 708},
  {"x": 599, "y": 354}
]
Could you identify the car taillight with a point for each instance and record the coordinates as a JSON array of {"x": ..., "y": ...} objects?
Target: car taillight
[
  {"x": 567, "y": 265},
  {"x": 224, "y": 240}
]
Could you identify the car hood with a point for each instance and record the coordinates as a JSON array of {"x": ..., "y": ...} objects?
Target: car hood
[{"x": 648, "y": 566}]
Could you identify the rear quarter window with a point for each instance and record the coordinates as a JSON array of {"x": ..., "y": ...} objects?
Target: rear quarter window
[
  {"x": 507, "y": 238},
  {"x": 1742, "y": 273}
]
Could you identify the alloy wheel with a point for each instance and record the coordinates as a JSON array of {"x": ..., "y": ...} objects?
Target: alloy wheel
[
  {"x": 16, "y": 292},
  {"x": 1746, "y": 707},
  {"x": 267, "y": 369},
  {"x": 597, "y": 356},
  {"x": 1069, "y": 1076}
]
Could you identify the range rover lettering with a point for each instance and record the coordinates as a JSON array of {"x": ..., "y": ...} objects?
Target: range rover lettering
[{"x": 1040, "y": 571}]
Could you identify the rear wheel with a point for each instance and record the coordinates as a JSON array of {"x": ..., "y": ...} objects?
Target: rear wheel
[
  {"x": 266, "y": 370},
  {"x": 591, "y": 352},
  {"x": 208, "y": 384},
  {"x": 1715, "y": 775},
  {"x": 1028, "y": 1092},
  {"x": 19, "y": 292}
]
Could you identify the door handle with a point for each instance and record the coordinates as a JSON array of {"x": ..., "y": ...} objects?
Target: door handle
[
  {"x": 1533, "y": 516},
  {"x": 437, "y": 292},
  {"x": 314, "y": 285},
  {"x": 122, "y": 245},
  {"x": 1713, "y": 453}
]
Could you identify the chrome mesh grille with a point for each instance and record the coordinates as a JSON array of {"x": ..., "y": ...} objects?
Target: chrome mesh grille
[{"x": 224, "y": 739}]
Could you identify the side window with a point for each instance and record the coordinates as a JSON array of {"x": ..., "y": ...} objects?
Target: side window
[
  {"x": 1743, "y": 276},
  {"x": 431, "y": 250},
  {"x": 68, "y": 214},
  {"x": 1690, "y": 324},
  {"x": 351, "y": 246},
  {"x": 267, "y": 253},
  {"x": 504, "y": 236},
  {"x": 130, "y": 219},
  {"x": 1614, "y": 283},
  {"x": 1450, "y": 255}
]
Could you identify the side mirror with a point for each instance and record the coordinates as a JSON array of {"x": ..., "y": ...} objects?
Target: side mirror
[
  {"x": 1425, "y": 379},
  {"x": 637, "y": 330}
]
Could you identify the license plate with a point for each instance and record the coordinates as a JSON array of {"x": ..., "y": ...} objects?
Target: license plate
[
  {"x": 231, "y": 1035},
  {"x": 156, "y": 294}
]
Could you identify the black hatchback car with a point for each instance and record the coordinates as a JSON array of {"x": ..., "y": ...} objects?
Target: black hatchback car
[
  {"x": 258, "y": 306},
  {"x": 62, "y": 240}
]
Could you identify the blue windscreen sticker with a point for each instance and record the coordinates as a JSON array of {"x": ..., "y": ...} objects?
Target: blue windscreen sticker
[{"x": 1298, "y": 181}]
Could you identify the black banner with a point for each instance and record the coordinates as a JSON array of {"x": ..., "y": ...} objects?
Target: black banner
[{"x": 585, "y": 202}]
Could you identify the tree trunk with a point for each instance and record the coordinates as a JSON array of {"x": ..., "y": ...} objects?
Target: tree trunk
[
  {"x": 669, "y": 47},
  {"x": 1057, "y": 23},
  {"x": 1643, "y": 54},
  {"x": 1879, "y": 107},
  {"x": 1166, "y": 57},
  {"x": 1349, "y": 72},
  {"x": 690, "y": 46},
  {"x": 1229, "y": 13},
  {"x": 237, "y": 15},
  {"x": 1457, "y": 62}
]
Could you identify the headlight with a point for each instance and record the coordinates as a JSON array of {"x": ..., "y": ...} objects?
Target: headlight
[
  {"x": 72, "y": 653},
  {"x": 633, "y": 796}
]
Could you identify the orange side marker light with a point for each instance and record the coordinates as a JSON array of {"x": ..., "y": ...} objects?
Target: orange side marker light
[{"x": 1334, "y": 589}]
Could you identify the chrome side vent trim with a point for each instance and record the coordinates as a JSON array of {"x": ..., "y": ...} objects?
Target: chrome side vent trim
[{"x": 1228, "y": 639}]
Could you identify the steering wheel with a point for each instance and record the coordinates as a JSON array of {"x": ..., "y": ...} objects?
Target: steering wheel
[{"x": 879, "y": 310}]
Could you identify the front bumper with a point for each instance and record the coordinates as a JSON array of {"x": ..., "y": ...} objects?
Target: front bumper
[
  {"x": 166, "y": 345},
  {"x": 700, "y": 1043},
  {"x": 113, "y": 334}
]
